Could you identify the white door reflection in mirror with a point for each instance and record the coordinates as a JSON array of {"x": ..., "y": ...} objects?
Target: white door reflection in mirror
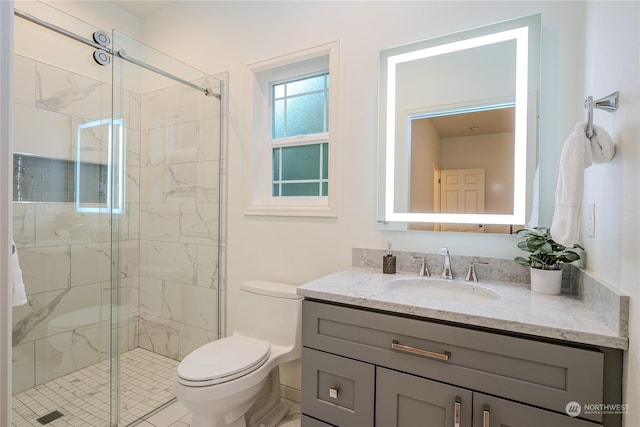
[{"x": 462, "y": 140}]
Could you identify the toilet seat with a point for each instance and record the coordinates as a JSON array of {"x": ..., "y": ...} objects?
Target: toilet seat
[{"x": 223, "y": 360}]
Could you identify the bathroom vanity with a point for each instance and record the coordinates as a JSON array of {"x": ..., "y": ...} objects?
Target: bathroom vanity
[{"x": 376, "y": 353}]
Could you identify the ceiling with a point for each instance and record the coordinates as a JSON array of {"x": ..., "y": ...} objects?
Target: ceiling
[
  {"x": 475, "y": 123},
  {"x": 143, "y": 8}
]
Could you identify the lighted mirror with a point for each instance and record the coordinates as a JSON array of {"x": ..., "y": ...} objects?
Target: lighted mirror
[
  {"x": 458, "y": 128},
  {"x": 100, "y": 174}
]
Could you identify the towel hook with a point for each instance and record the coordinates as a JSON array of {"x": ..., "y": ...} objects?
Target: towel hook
[{"x": 608, "y": 103}]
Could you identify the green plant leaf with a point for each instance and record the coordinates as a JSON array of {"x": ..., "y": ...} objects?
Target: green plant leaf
[
  {"x": 545, "y": 253},
  {"x": 546, "y": 248}
]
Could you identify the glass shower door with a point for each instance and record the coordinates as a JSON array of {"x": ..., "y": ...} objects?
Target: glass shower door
[
  {"x": 116, "y": 220},
  {"x": 61, "y": 224},
  {"x": 167, "y": 225}
]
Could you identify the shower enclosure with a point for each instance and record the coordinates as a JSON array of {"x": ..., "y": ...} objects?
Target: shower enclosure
[{"x": 117, "y": 221}]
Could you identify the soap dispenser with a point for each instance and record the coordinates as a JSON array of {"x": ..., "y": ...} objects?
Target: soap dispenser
[{"x": 389, "y": 261}]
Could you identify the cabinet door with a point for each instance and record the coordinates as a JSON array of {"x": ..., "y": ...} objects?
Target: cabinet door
[
  {"x": 337, "y": 390},
  {"x": 404, "y": 400},
  {"x": 489, "y": 411}
]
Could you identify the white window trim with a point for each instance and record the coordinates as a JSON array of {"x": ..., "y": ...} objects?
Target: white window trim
[{"x": 257, "y": 160}]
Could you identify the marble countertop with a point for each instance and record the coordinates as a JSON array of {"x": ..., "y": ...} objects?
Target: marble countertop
[{"x": 515, "y": 309}]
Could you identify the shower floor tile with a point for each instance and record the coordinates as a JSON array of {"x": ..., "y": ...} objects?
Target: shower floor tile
[{"x": 147, "y": 382}]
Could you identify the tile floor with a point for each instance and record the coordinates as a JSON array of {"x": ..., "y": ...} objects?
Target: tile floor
[
  {"x": 83, "y": 396},
  {"x": 176, "y": 415}
]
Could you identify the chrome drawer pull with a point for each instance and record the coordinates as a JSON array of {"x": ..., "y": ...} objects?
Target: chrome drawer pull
[
  {"x": 485, "y": 416},
  {"x": 456, "y": 412},
  {"x": 333, "y": 393},
  {"x": 426, "y": 353}
]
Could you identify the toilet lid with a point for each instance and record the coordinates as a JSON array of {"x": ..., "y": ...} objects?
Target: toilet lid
[{"x": 223, "y": 360}]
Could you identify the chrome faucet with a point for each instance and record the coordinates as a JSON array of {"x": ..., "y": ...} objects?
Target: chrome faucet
[
  {"x": 446, "y": 271},
  {"x": 471, "y": 273},
  {"x": 424, "y": 268}
]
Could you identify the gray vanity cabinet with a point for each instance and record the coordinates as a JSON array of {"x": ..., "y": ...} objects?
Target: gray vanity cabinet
[
  {"x": 367, "y": 368},
  {"x": 338, "y": 390},
  {"x": 489, "y": 411},
  {"x": 402, "y": 400}
]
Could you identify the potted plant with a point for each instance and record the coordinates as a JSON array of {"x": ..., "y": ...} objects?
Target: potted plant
[{"x": 545, "y": 258}]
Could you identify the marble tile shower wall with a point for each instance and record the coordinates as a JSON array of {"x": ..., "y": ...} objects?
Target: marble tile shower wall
[
  {"x": 168, "y": 230},
  {"x": 179, "y": 217},
  {"x": 65, "y": 254}
]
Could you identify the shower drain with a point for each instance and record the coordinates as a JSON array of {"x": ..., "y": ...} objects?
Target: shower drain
[{"x": 51, "y": 416}]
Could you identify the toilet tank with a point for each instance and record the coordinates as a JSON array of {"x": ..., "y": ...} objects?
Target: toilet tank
[{"x": 269, "y": 311}]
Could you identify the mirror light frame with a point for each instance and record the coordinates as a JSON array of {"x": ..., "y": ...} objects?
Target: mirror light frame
[
  {"x": 522, "y": 32},
  {"x": 111, "y": 205}
]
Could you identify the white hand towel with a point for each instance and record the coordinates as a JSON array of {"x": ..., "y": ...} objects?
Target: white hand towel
[
  {"x": 575, "y": 157},
  {"x": 19, "y": 295},
  {"x": 602, "y": 146}
]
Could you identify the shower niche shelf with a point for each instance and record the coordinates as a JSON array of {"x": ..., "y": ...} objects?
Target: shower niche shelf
[{"x": 44, "y": 179}]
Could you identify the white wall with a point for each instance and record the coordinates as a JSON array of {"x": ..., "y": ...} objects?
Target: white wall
[
  {"x": 231, "y": 35},
  {"x": 237, "y": 34},
  {"x": 103, "y": 14},
  {"x": 494, "y": 153},
  {"x": 425, "y": 154},
  {"x": 612, "y": 62}
]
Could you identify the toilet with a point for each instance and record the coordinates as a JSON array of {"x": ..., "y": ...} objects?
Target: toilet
[{"x": 235, "y": 381}]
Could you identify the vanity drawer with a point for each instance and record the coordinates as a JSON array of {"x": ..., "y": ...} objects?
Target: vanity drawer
[
  {"x": 534, "y": 372},
  {"x": 337, "y": 390},
  {"x": 306, "y": 421}
]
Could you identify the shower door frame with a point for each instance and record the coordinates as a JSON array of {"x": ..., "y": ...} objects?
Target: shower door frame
[{"x": 6, "y": 184}]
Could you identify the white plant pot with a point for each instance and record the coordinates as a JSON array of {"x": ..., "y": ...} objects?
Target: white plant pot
[{"x": 546, "y": 281}]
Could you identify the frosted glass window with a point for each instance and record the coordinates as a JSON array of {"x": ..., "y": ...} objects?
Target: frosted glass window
[
  {"x": 300, "y": 170},
  {"x": 300, "y": 107},
  {"x": 291, "y": 139}
]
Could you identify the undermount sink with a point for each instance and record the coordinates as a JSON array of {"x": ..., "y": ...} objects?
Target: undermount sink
[{"x": 442, "y": 290}]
